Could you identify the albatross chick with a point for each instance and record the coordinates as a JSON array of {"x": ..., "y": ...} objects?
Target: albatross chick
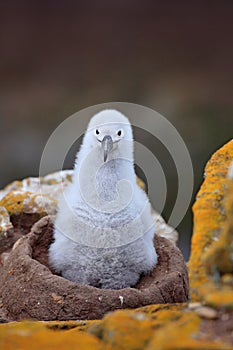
[{"x": 103, "y": 232}]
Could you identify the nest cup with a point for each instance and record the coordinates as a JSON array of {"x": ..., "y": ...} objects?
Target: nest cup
[{"x": 29, "y": 289}]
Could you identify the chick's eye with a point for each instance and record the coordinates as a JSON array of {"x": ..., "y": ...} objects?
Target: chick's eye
[
  {"x": 119, "y": 132},
  {"x": 97, "y": 132}
]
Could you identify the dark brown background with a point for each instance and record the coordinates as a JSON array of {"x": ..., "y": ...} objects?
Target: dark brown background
[{"x": 57, "y": 57}]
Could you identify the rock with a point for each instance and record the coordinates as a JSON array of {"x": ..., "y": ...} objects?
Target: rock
[
  {"x": 52, "y": 297},
  {"x": 194, "y": 306},
  {"x": 212, "y": 241},
  {"x": 206, "y": 312}
]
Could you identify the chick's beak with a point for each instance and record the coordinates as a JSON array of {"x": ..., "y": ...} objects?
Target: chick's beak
[{"x": 107, "y": 144}]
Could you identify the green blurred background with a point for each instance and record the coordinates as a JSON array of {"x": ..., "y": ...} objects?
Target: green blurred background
[{"x": 58, "y": 57}]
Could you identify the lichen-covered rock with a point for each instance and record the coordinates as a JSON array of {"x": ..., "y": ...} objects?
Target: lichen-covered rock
[
  {"x": 51, "y": 184},
  {"x": 219, "y": 258},
  {"x": 30, "y": 290},
  {"x": 22, "y": 203},
  {"x": 36, "y": 336},
  {"x": 211, "y": 262},
  {"x": 18, "y": 202},
  {"x": 165, "y": 327},
  {"x": 162, "y": 327}
]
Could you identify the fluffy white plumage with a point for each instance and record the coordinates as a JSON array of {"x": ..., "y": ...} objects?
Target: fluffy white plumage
[{"x": 104, "y": 230}]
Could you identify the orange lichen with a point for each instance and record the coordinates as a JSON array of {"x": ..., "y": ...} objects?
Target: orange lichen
[
  {"x": 155, "y": 327},
  {"x": 219, "y": 259},
  {"x": 151, "y": 327},
  {"x": 183, "y": 334},
  {"x": 124, "y": 330},
  {"x": 17, "y": 202},
  {"x": 14, "y": 201},
  {"x": 217, "y": 295},
  {"x": 227, "y": 279},
  {"x": 210, "y": 216},
  {"x": 152, "y": 310},
  {"x": 34, "y": 335},
  {"x": 65, "y": 325}
]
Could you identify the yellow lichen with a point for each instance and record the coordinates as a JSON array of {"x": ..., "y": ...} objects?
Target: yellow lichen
[
  {"x": 163, "y": 327},
  {"x": 36, "y": 336},
  {"x": 17, "y": 202},
  {"x": 65, "y": 325},
  {"x": 210, "y": 217},
  {"x": 227, "y": 279},
  {"x": 219, "y": 259},
  {"x": 182, "y": 335},
  {"x": 117, "y": 330},
  {"x": 152, "y": 310},
  {"x": 217, "y": 295},
  {"x": 14, "y": 201},
  {"x": 155, "y": 327}
]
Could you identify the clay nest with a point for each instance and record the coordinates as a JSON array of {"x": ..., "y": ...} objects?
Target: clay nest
[{"x": 29, "y": 289}]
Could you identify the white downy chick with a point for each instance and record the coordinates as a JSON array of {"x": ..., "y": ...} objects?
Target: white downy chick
[{"x": 104, "y": 230}]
